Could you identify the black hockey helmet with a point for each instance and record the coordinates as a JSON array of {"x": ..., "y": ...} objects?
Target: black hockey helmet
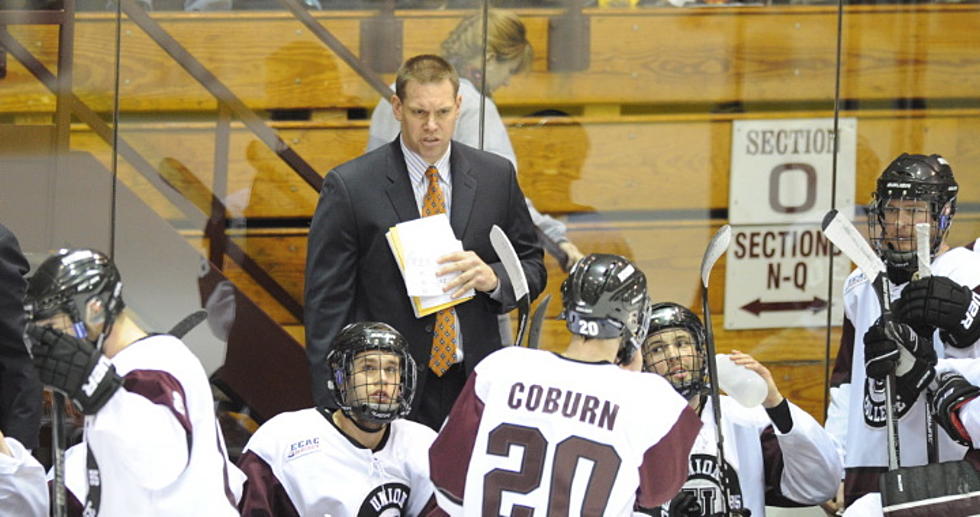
[
  {"x": 688, "y": 376},
  {"x": 910, "y": 177},
  {"x": 356, "y": 365},
  {"x": 67, "y": 281},
  {"x": 605, "y": 296}
]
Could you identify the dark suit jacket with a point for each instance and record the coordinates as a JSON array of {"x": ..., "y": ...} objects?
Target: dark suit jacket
[
  {"x": 20, "y": 389},
  {"x": 352, "y": 276}
]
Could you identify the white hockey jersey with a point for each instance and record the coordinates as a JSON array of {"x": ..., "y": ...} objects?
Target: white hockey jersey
[
  {"x": 23, "y": 491},
  {"x": 300, "y": 463},
  {"x": 535, "y": 430},
  {"x": 771, "y": 467},
  {"x": 857, "y": 411},
  {"x": 156, "y": 441}
]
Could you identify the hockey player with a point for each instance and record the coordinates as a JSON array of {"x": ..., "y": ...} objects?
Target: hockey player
[
  {"x": 22, "y": 488},
  {"x": 151, "y": 441},
  {"x": 361, "y": 460},
  {"x": 912, "y": 189},
  {"x": 569, "y": 434},
  {"x": 777, "y": 454}
]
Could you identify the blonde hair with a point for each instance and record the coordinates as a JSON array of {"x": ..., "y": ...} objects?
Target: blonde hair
[{"x": 506, "y": 40}]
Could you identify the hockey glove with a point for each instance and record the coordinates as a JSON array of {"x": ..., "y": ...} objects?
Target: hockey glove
[
  {"x": 889, "y": 347},
  {"x": 952, "y": 393},
  {"x": 940, "y": 302},
  {"x": 684, "y": 504},
  {"x": 74, "y": 367}
]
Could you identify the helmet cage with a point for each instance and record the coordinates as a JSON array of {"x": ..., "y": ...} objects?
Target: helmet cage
[
  {"x": 605, "y": 297},
  {"x": 356, "y": 363},
  {"x": 671, "y": 358},
  {"x": 912, "y": 189},
  {"x": 68, "y": 281}
]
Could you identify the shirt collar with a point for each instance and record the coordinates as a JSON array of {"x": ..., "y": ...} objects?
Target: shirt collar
[{"x": 417, "y": 165}]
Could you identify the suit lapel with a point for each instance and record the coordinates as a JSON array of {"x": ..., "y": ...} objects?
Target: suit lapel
[
  {"x": 400, "y": 187},
  {"x": 464, "y": 191}
]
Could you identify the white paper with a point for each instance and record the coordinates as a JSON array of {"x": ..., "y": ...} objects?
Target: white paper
[{"x": 423, "y": 242}]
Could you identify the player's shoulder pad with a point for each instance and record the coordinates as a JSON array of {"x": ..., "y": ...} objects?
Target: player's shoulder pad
[
  {"x": 855, "y": 280},
  {"x": 407, "y": 431},
  {"x": 291, "y": 434},
  {"x": 740, "y": 415},
  {"x": 960, "y": 265},
  {"x": 651, "y": 383},
  {"x": 506, "y": 357}
]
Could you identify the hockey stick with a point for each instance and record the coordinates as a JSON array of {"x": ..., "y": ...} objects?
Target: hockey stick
[
  {"x": 846, "y": 237},
  {"x": 512, "y": 265},
  {"x": 716, "y": 248},
  {"x": 923, "y": 249},
  {"x": 537, "y": 321},
  {"x": 188, "y": 323},
  {"x": 59, "y": 442},
  {"x": 923, "y": 256}
]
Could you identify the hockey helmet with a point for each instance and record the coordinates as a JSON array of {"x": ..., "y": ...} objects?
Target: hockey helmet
[
  {"x": 371, "y": 374},
  {"x": 68, "y": 281},
  {"x": 605, "y": 296},
  {"x": 680, "y": 356},
  {"x": 914, "y": 188}
]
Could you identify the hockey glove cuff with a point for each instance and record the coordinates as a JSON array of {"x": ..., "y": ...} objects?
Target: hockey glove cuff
[
  {"x": 952, "y": 393},
  {"x": 74, "y": 367}
]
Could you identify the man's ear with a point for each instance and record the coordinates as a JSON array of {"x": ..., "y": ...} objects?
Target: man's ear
[{"x": 396, "y": 107}]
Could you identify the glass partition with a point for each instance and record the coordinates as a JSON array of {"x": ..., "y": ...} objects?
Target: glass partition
[{"x": 636, "y": 127}]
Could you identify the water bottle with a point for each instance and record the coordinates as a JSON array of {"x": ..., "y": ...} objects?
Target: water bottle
[{"x": 742, "y": 384}]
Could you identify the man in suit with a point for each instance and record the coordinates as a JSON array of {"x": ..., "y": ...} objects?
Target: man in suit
[
  {"x": 20, "y": 389},
  {"x": 351, "y": 274}
]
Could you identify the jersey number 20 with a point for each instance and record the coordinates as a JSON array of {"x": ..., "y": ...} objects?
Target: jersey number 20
[{"x": 567, "y": 454}]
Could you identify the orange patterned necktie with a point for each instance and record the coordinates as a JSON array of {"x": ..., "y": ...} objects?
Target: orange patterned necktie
[{"x": 444, "y": 338}]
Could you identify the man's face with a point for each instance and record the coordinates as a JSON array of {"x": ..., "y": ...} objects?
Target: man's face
[
  {"x": 898, "y": 220},
  {"x": 376, "y": 379},
  {"x": 673, "y": 354},
  {"x": 428, "y": 116}
]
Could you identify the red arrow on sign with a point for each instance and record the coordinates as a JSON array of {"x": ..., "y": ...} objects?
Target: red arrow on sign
[{"x": 758, "y": 306}]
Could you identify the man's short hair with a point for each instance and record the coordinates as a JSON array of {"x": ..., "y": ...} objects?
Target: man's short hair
[{"x": 425, "y": 69}]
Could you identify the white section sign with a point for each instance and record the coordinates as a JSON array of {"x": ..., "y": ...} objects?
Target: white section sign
[
  {"x": 782, "y": 170},
  {"x": 776, "y": 276}
]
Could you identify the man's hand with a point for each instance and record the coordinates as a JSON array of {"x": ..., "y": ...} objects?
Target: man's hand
[
  {"x": 474, "y": 273},
  {"x": 890, "y": 346},
  {"x": 952, "y": 392},
  {"x": 684, "y": 504},
  {"x": 573, "y": 253},
  {"x": 773, "y": 397},
  {"x": 74, "y": 367},
  {"x": 941, "y": 303}
]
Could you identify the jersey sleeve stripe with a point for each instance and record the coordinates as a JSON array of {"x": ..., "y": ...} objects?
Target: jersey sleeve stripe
[
  {"x": 772, "y": 461},
  {"x": 159, "y": 387},
  {"x": 845, "y": 354},
  {"x": 664, "y": 470},
  {"x": 455, "y": 441},
  {"x": 263, "y": 493}
]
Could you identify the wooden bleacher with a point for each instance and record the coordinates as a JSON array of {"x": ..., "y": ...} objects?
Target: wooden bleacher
[
  {"x": 665, "y": 170},
  {"x": 638, "y": 57}
]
